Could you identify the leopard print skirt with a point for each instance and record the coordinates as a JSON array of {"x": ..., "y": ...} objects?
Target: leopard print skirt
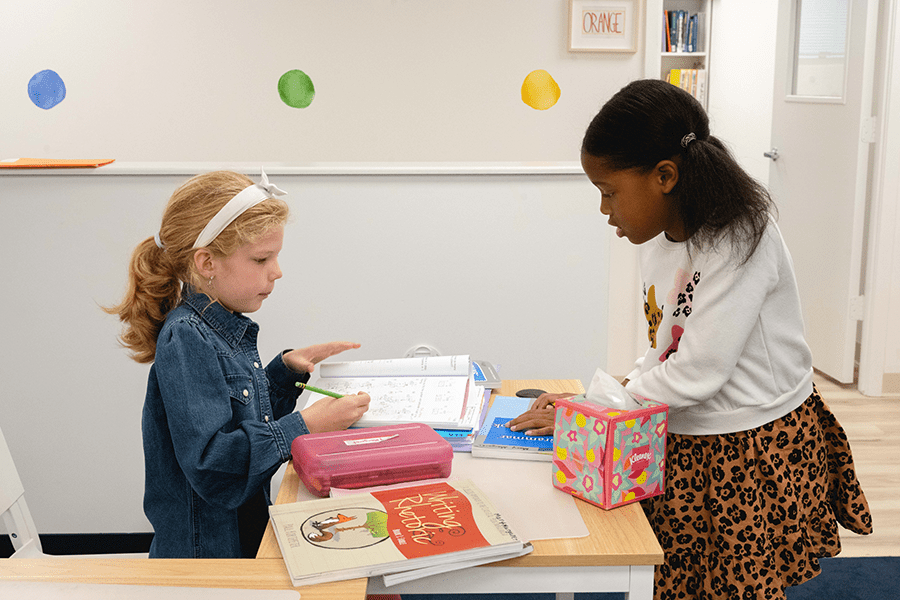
[{"x": 746, "y": 514}]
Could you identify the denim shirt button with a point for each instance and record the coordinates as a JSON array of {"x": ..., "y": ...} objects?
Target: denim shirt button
[
  {"x": 256, "y": 365},
  {"x": 246, "y": 393},
  {"x": 266, "y": 418}
]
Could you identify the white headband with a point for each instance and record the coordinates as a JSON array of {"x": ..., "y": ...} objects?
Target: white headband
[{"x": 247, "y": 198}]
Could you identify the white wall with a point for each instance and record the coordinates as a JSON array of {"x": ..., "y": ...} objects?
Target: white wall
[
  {"x": 396, "y": 80},
  {"x": 509, "y": 267},
  {"x": 880, "y": 357}
]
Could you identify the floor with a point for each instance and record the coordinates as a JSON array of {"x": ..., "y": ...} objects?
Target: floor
[{"x": 873, "y": 428}]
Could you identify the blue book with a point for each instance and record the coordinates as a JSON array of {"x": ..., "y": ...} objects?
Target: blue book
[
  {"x": 501, "y": 435},
  {"x": 495, "y": 441}
]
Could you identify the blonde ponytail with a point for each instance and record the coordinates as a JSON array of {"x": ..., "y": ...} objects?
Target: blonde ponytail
[
  {"x": 155, "y": 275},
  {"x": 153, "y": 290}
]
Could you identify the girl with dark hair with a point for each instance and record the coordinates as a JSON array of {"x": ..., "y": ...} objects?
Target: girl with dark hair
[{"x": 759, "y": 472}]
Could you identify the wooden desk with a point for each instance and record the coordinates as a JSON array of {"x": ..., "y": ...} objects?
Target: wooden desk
[
  {"x": 618, "y": 556},
  {"x": 196, "y": 572}
]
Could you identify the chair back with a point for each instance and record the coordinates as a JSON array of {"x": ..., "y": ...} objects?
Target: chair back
[
  {"x": 14, "y": 511},
  {"x": 10, "y": 484}
]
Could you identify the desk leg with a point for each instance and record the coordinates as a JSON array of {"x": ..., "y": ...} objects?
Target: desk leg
[{"x": 640, "y": 586}]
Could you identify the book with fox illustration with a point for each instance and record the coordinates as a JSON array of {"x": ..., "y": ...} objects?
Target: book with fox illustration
[{"x": 433, "y": 527}]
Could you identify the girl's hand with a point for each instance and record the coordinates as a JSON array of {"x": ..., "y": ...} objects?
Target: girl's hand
[
  {"x": 305, "y": 360},
  {"x": 540, "y": 418},
  {"x": 535, "y": 422},
  {"x": 545, "y": 400},
  {"x": 335, "y": 414}
]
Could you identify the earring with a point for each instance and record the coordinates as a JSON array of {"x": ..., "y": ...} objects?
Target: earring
[{"x": 210, "y": 280}]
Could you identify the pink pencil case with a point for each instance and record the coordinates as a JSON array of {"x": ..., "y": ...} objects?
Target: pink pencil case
[{"x": 369, "y": 456}]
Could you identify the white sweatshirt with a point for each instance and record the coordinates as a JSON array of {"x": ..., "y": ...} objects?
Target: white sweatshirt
[{"x": 727, "y": 349}]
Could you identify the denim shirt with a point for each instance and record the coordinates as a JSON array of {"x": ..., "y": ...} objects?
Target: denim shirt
[{"x": 216, "y": 426}]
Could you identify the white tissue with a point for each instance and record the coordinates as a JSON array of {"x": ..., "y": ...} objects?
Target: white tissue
[{"x": 606, "y": 391}]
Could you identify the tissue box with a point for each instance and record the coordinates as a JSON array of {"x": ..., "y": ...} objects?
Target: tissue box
[{"x": 606, "y": 456}]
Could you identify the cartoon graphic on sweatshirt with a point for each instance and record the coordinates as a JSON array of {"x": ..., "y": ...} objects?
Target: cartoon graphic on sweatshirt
[
  {"x": 681, "y": 296},
  {"x": 653, "y": 314},
  {"x": 677, "y": 330}
]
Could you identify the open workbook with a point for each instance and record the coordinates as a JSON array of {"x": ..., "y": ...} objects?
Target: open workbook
[
  {"x": 436, "y": 390},
  {"x": 402, "y": 533}
]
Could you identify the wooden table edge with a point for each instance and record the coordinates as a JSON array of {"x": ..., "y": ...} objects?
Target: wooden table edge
[{"x": 174, "y": 572}]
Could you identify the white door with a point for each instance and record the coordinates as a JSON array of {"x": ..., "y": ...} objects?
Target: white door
[{"x": 821, "y": 130}]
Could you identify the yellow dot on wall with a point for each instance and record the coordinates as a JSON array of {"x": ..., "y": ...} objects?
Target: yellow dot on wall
[{"x": 539, "y": 90}]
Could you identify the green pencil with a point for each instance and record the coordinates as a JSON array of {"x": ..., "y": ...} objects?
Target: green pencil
[{"x": 318, "y": 390}]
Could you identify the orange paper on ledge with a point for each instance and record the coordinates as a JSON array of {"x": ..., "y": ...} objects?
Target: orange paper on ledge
[{"x": 52, "y": 163}]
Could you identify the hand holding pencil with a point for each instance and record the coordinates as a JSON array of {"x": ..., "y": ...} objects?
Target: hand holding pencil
[
  {"x": 311, "y": 388},
  {"x": 334, "y": 412}
]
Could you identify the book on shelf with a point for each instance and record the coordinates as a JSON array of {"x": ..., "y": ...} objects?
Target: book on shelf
[
  {"x": 667, "y": 33},
  {"x": 436, "y": 390},
  {"x": 683, "y": 32},
  {"x": 495, "y": 440},
  {"x": 692, "y": 81},
  {"x": 403, "y": 533}
]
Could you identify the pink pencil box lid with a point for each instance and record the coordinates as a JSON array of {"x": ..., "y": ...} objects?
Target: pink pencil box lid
[{"x": 370, "y": 456}]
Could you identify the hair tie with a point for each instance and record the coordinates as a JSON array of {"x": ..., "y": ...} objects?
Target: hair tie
[
  {"x": 247, "y": 198},
  {"x": 688, "y": 139},
  {"x": 158, "y": 241}
]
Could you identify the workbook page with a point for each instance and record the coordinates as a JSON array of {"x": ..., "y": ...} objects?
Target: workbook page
[
  {"x": 424, "y": 366},
  {"x": 437, "y": 401}
]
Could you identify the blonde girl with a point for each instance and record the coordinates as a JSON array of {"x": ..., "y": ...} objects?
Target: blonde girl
[{"x": 217, "y": 422}]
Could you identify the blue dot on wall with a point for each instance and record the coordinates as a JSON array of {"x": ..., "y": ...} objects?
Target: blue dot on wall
[{"x": 46, "y": 89}]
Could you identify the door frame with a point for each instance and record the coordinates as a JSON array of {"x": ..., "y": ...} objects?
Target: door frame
[{"x": 884, "y": 219}]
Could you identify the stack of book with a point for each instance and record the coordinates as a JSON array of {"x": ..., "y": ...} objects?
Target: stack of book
[
  {"x": 401, "y": 533},
  {"x": 461, "y": 440},
  {"x": 693, "y": 81},
  {"x": 495, "y": 440},
  {"x": 683, "y": 31}
]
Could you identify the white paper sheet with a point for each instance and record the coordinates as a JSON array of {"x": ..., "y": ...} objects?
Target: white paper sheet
[{"x": 521, "y": 490}]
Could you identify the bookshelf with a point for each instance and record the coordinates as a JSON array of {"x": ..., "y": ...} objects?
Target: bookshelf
[{"x": 678, "y": 44}]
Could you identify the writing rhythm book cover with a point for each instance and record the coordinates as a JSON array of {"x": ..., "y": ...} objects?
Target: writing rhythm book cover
[{"x": 391, "y": 531}]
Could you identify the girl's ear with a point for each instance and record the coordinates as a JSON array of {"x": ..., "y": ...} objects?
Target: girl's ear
[
  {"x": 204, "y": 263},
  {"x": 666, "y": 175}
]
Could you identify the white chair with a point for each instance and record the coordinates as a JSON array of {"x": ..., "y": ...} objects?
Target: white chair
[{"x": 16, "y": 516}]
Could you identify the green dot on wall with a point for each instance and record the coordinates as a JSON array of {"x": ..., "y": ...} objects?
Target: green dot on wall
[{"x": 296, "y": 89}]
